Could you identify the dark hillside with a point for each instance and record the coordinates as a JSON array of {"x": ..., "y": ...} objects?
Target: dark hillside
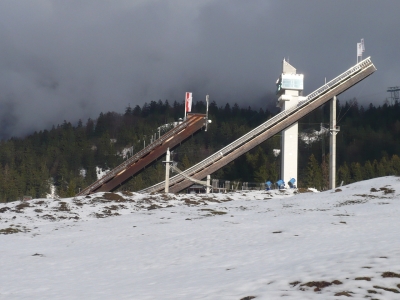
[{"x": 67, "y": 155}]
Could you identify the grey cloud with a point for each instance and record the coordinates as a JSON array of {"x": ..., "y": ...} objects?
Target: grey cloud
[{"x": 72, "y": 59}]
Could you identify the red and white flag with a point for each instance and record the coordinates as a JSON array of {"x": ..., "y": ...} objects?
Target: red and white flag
[{"x": 188, "y": 102}]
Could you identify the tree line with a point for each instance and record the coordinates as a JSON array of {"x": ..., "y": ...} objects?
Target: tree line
[{"x": 68, "y": 156}]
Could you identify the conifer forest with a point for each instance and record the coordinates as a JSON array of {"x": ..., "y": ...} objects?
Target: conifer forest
[{"x": 70, "y": 156}]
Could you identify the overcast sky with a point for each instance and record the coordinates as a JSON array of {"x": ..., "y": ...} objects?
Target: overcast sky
[{"x": 71, "y": 59}]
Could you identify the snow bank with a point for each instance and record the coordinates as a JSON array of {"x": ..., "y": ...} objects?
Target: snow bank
[{"x": 267, "y": 245}]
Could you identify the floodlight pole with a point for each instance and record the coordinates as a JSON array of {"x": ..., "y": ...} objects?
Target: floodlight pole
[
  {"x": 207, "y": 100},
  {"x": 167, "y": 162},
  {"x": 332, "y": 145},
  {"x": 208, "y": 184}
]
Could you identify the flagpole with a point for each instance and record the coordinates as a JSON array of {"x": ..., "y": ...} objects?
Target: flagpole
[{"x": 184, "y": 118}]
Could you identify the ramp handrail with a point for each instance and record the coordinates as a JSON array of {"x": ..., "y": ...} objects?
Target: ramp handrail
[
  {"x": 269, "y": 123},
  {"x": 135, "y": 157}
]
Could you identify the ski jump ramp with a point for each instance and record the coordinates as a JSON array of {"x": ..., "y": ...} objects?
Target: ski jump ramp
[
  {"x": 146, "y": 156},
  {"x": 268, "y": 129}
]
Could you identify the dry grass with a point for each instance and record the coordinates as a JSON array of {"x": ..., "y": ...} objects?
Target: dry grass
[
  {"x": 63, "y": 207},
  {"x": 390, "y": 275},
  {"x": 210, "y": 199},
  {"x": 386, "y": 289},
  {"x": 166, "y": 197},
  {"x": 351, "y": 202},
  {"x": 14, "y": 229},
  {"x": 22, "y": 205},
  {"x": 190, "y": 202},
  {"x": 344, "y": 293},
  {"x": 4, "y": 209},
  {"x": 387, "y": 190},
  {"x": 9, "y": 230},
  {"x": 49, "y": 217},
  {"x": 294, "y": 283},
  {"x": 38, "y": 254},
  {"x": 303, "y": 190},
  {"x": 363, "y": 278},
  {"x": 77, "y": 202},
  {"x": 213, "y": 212},
  {"x": 114, "y": 197},
  {"x": 112, "y": 207},
  {"x": 153, "y": 206},
  {"x": 127, "y": 193},
  {"x": 321, "y": 284}
]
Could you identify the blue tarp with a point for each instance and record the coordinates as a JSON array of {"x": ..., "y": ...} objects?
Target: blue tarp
[{"x": 291, "y": 183}]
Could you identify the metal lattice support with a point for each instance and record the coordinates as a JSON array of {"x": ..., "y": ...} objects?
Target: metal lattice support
[{"x": 394, "y": 93}]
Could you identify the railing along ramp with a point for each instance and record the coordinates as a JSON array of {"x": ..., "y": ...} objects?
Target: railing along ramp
[{"x": 271, "y": 127}]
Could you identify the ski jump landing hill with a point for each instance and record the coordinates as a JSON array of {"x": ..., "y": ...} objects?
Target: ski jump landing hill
[{"x": 268, "y": 129}]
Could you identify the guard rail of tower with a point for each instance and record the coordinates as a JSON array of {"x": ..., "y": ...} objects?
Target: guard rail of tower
[
  {"x": 269, "y": 123},
  {"x": 134, "y": 158}
]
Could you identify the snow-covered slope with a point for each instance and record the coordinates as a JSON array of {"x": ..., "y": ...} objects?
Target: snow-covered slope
[{"x": 266, "y": 245}]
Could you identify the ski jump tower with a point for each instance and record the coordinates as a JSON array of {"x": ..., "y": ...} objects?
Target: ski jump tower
[{"x": 289, "y": 89}]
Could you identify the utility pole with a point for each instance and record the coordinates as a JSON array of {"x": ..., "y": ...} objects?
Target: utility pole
[
  {"x": 167, "y": 162},
  {"x": 207, "y": 100},
  {"x": 208, "y": 184},
  {"x": 332, "y": 145}
]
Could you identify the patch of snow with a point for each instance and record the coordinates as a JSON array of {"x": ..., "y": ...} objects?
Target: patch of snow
[
  {"x": 82, "y": 172},
  {"x": 101, "y": 173},
  {"x": 126, "y": 152},
  {"x": 314, "y": 136},
  {"x": 265, "y": 244},
  {"x": 53, "y": 190},
  {"x": 276, "y": 152}
]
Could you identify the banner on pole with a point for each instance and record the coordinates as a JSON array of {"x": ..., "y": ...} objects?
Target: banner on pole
[{"x": 188, "y": 102}]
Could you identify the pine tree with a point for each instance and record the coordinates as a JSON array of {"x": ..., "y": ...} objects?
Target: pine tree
[
  {"x": 344, "y": 174},
  {"x": 314, "y": 174},
  {"x": 325, "y": 172},
  {"x": 261, "y": 173},
  {"x": 382, "y": 167},
  {"x": 395, "y": 162},
  {"x": 368, "y": 170},
  {"x": 185, "y": 162},
  {"x": 356, "y": 172}
]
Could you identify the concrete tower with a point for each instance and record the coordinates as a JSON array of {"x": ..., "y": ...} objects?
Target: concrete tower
[{"x": 289, "y": 88}]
